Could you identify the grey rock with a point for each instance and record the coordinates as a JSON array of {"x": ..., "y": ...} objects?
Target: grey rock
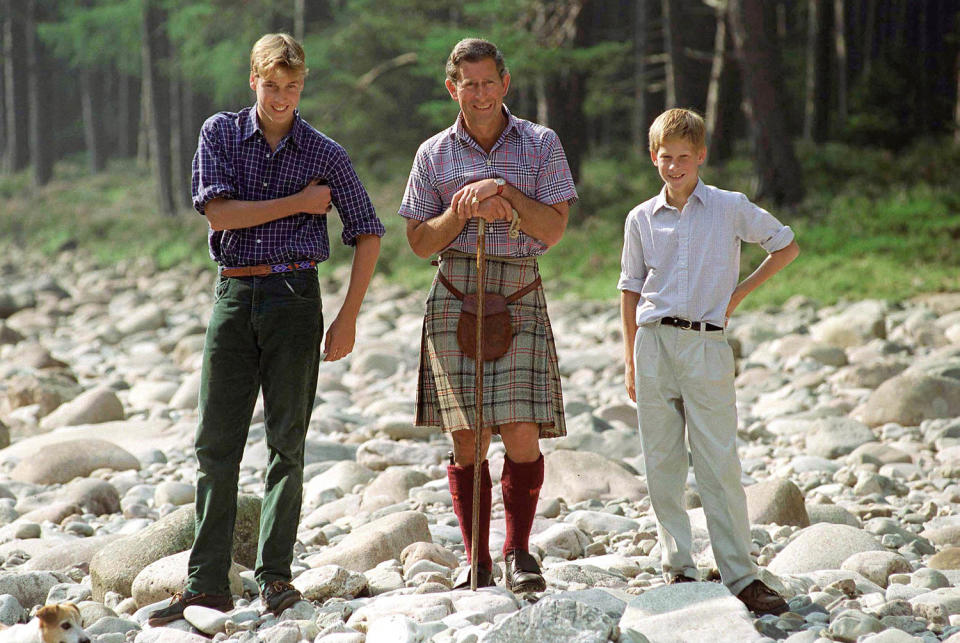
[
  {"x": 377, "y": 455},
  {"x": 209, "y": 621},
  {"x": 112, "y": 624},
  {"x": 822, "y": 546},
  {"x": 593, "y": 522},
  {"x": 835, "y": 437},
  {"x": 30, "y": 588},
  {"x": 577, "y": 476},
  {"x": 115, "y": 570},
  {"x": 877, "y": 566},
  {"x": 852, "y": 624},
  {"x": 553, "y": 620},
  {"x": 327, "y": 581},
  {"x": 71, "y": 459},
  {"x": 834, "y": 514},
  {"x": 776, "y": 501},
  {"x": 909, "y": 399},
  {"x": 390, "y": 487},
  {"x": 72, "y": 554},
  {"x": 690, "y": 612},
  {"x": 164, "y": 577},
  {"x": 375, "y": 542},
  {"x": 92, "y": 407}
]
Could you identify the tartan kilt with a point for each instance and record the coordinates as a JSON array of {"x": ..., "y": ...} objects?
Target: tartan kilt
[{"x": 523, "y": 385}]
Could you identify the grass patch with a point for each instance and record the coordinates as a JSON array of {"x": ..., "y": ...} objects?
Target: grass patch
[{"x": 873, "y": 224}]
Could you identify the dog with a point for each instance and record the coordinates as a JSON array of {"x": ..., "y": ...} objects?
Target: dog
[{"x": 59, "y": 623}]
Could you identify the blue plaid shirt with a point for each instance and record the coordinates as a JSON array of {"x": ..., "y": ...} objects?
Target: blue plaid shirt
[{"x": 234, "y": 161}]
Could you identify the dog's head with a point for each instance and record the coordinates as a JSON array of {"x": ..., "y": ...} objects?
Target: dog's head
[{"x": 61, "y": 623}]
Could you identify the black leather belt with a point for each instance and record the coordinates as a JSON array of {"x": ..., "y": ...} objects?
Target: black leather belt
[{"x": 685, "y": 324}]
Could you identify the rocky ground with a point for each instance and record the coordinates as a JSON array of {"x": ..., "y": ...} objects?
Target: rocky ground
[{"x": 850, "y": 440}]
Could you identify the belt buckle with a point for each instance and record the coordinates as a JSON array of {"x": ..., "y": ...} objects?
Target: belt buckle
[{"x": 685, "y": 324}]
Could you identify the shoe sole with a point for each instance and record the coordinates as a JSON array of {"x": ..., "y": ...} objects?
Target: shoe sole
[
  {"x": 776, "y": 611},
  {"x": 163, "y": 620},
  {"x": 285, "y": 604}
]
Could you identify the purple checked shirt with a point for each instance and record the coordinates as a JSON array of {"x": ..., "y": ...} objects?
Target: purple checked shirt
[
  {"x": 234, "y": 161},
  {"x": 527, "y": 155}
]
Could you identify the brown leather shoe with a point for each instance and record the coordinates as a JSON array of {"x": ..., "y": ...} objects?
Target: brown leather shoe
[
  {"x": 760, "y": 599},
  {"x": 680, "y": 578}
]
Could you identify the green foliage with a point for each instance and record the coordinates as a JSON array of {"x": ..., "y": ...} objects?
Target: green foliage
[{"x": 96, "y": 34}]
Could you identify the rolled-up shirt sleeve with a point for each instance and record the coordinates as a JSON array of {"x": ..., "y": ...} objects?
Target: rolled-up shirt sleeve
[
  {"x": 212, "y": 173},
  {"x": 421, "y": 200},
  {"x": 756, "y": 225},
  {"x": 351, "y": 199},
  {"x": 633, "y": 271}
]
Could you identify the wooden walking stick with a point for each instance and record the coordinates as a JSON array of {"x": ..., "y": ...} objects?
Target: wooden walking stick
[{"x": 478, "y": 397}]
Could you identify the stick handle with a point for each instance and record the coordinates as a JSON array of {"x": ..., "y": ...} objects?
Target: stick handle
[{"x": 478, "y": 397}]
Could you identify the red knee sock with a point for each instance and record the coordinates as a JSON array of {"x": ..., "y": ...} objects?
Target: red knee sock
[
  {"x": 461, "y": 488},
  {"x": 521, "y": 484}
]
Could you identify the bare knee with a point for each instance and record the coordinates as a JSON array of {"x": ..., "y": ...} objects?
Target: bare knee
[
  {"x": 464, "y": 446},
  {"x": 521, "y": 441}
]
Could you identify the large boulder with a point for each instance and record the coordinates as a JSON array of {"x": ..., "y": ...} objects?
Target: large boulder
[
  {"x": 116, "y": 569},
  {"x": 582, "y": 475},
  {"x": 552, "y": 620},
  {"x": 92, "y": 407},
  {"x": 776, "y": 501},
  {"x": 909, "y": 399},
  {"x": 833, "y": 437},
  {"x": 164, "y": 577},
  {"x": 30, "y": 588},
  {"x": 62, "y": 462},
  {"x": 375, "y": 542},
  {"x": 822, "y": 546}
]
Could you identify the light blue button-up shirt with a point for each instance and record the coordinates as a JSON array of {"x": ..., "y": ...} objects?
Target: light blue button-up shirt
[{"x": 686, "y": 263}]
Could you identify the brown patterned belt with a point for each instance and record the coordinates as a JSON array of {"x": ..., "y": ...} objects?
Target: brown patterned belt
[{"x": 267, "y": 269}]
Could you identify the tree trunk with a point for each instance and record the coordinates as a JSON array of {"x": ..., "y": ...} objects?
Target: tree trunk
[
  {"x": 40, "y": 153},
  {"x": 840, "y": 47},
  {"x": 175, "y": 139},
  {"x": 638, "y": 121},
  {"x": 16, "y": 151},
  {"x": 956, "y": 107},
  {"x": 126, "y": 132},
  {"x": 154, "y": 50},
  {"x": 299, "y": 19},
  {"x": 868, "y": 37},
  {"x": 779, "y": 176},
  {"x": 716, "y": 72},
  {"x": 143, "y": 123},
  {"x": 671, "y": 49},
  {"x": 816, "y": 86},
  {"x": 91, "y": 131}
]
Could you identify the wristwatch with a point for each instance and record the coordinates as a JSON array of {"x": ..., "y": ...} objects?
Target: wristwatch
[{"x": 500, "y": 184}]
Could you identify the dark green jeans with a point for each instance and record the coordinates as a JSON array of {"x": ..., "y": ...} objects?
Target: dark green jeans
[{"x": 264, "y": 332}]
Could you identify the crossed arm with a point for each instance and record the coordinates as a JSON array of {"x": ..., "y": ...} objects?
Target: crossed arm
[{"x": 543, "y": 222}]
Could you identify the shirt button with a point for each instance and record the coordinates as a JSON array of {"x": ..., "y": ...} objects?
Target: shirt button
[
  {"x": 264, "y": 184},
  {"x": 489, "y": 162},
  {"x": 267, "y": 155},
  {"x": 258, "y": 240}
]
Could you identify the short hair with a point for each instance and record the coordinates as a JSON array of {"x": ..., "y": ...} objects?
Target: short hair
[
  {"x": 678, "y": 123},
  {"x": 473, "y": 50},
  {"x": 277, "y": 50}
]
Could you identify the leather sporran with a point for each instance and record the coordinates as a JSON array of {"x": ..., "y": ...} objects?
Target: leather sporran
[
  {"x": 497, "y": 322},
  {"x": 497, "y": 326}
]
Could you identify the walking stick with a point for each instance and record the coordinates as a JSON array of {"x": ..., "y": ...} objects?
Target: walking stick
[{"x": 478, "y": 397}]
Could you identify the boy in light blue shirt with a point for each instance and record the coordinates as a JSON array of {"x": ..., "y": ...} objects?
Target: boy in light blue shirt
[{"x": 678, "y": 283}]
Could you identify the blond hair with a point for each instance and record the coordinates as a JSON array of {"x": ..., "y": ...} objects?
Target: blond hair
[
  {"x": 277, "y": 50},
  {"x": 678, "y": 123}
]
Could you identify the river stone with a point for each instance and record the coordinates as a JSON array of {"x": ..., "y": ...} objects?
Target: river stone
[
  {"x": 91, "y": 407},
  {"x": 115, "y": 569},
  {"x": 187, "y": 395},
  {"x": 62, "y": 462},
  {"x": 877, "y": 566},
  {"x": 849, "y": 625},
  {"x": 943, "y": 536},
  {"x": 822, "y": 546},
  {"x": 562, "y": 540},
  {"x": 378, "y": 455},
  {"x": 30, "y": 588},
  {"x": 855, "y": 326},
  {"x": 390, "y": 487},
  {"x": 581, "y": 475},
  {"x": 776, "y": 501},
  {"x": 833, "y": 514},
  {"x": 149, "y": 316},
  {"x": 344, "y": 475},
  {"x": 419, "y": 607},
  {"x": 892, "y": 636},
  {"x": 162, "y": 578},
  {"x": 90, "y": 495},
  {"x": 833, "y": 437},
  {"x": 168, "y": 634},
  {"x": 690, "y": 612},
  {"x": 174, "y": 493},
  {"x": 433, "y": 552},
  {"x": 145, "y": 394},
  {"x": 909, "y": 399},
  {"x": 92, "y": 611},
  {"x": 948, "y": 558},
  {"x": 593, "y": 522},
  {"x": 328, "y": 581},
  {"x": 111, "y": 624},
  {"x": 375, "y": 542},
  {"x": 552, "y": 620}
]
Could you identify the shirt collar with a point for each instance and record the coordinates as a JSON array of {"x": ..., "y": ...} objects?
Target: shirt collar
[
  {"x": 459, "y": 129},
  {"x": 700, "y": 192},
  {"x": 249, "y": 126}
]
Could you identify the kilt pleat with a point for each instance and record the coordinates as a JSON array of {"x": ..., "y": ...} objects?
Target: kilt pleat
[{"x": 521, "y": 386}]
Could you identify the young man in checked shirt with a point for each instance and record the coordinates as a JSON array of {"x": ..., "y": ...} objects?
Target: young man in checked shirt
[
  {"x": 265, "y": 179},
  {"x": 513, "y": 174}
]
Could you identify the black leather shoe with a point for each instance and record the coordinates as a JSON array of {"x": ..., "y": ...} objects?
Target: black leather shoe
[
  {"x": 523, "y": 573},
  {"x": 181, "y": 600},
  {"x": 680, "y": 578},
  {"x": 484, "y": 578},
  {"x": 278, "y": 595}
]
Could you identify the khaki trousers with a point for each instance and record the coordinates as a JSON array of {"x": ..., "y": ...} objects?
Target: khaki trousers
[{"x": 684, "y": 381}]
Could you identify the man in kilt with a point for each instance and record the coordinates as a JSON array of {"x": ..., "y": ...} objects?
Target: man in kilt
[{"x": 513, "y": 174}]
